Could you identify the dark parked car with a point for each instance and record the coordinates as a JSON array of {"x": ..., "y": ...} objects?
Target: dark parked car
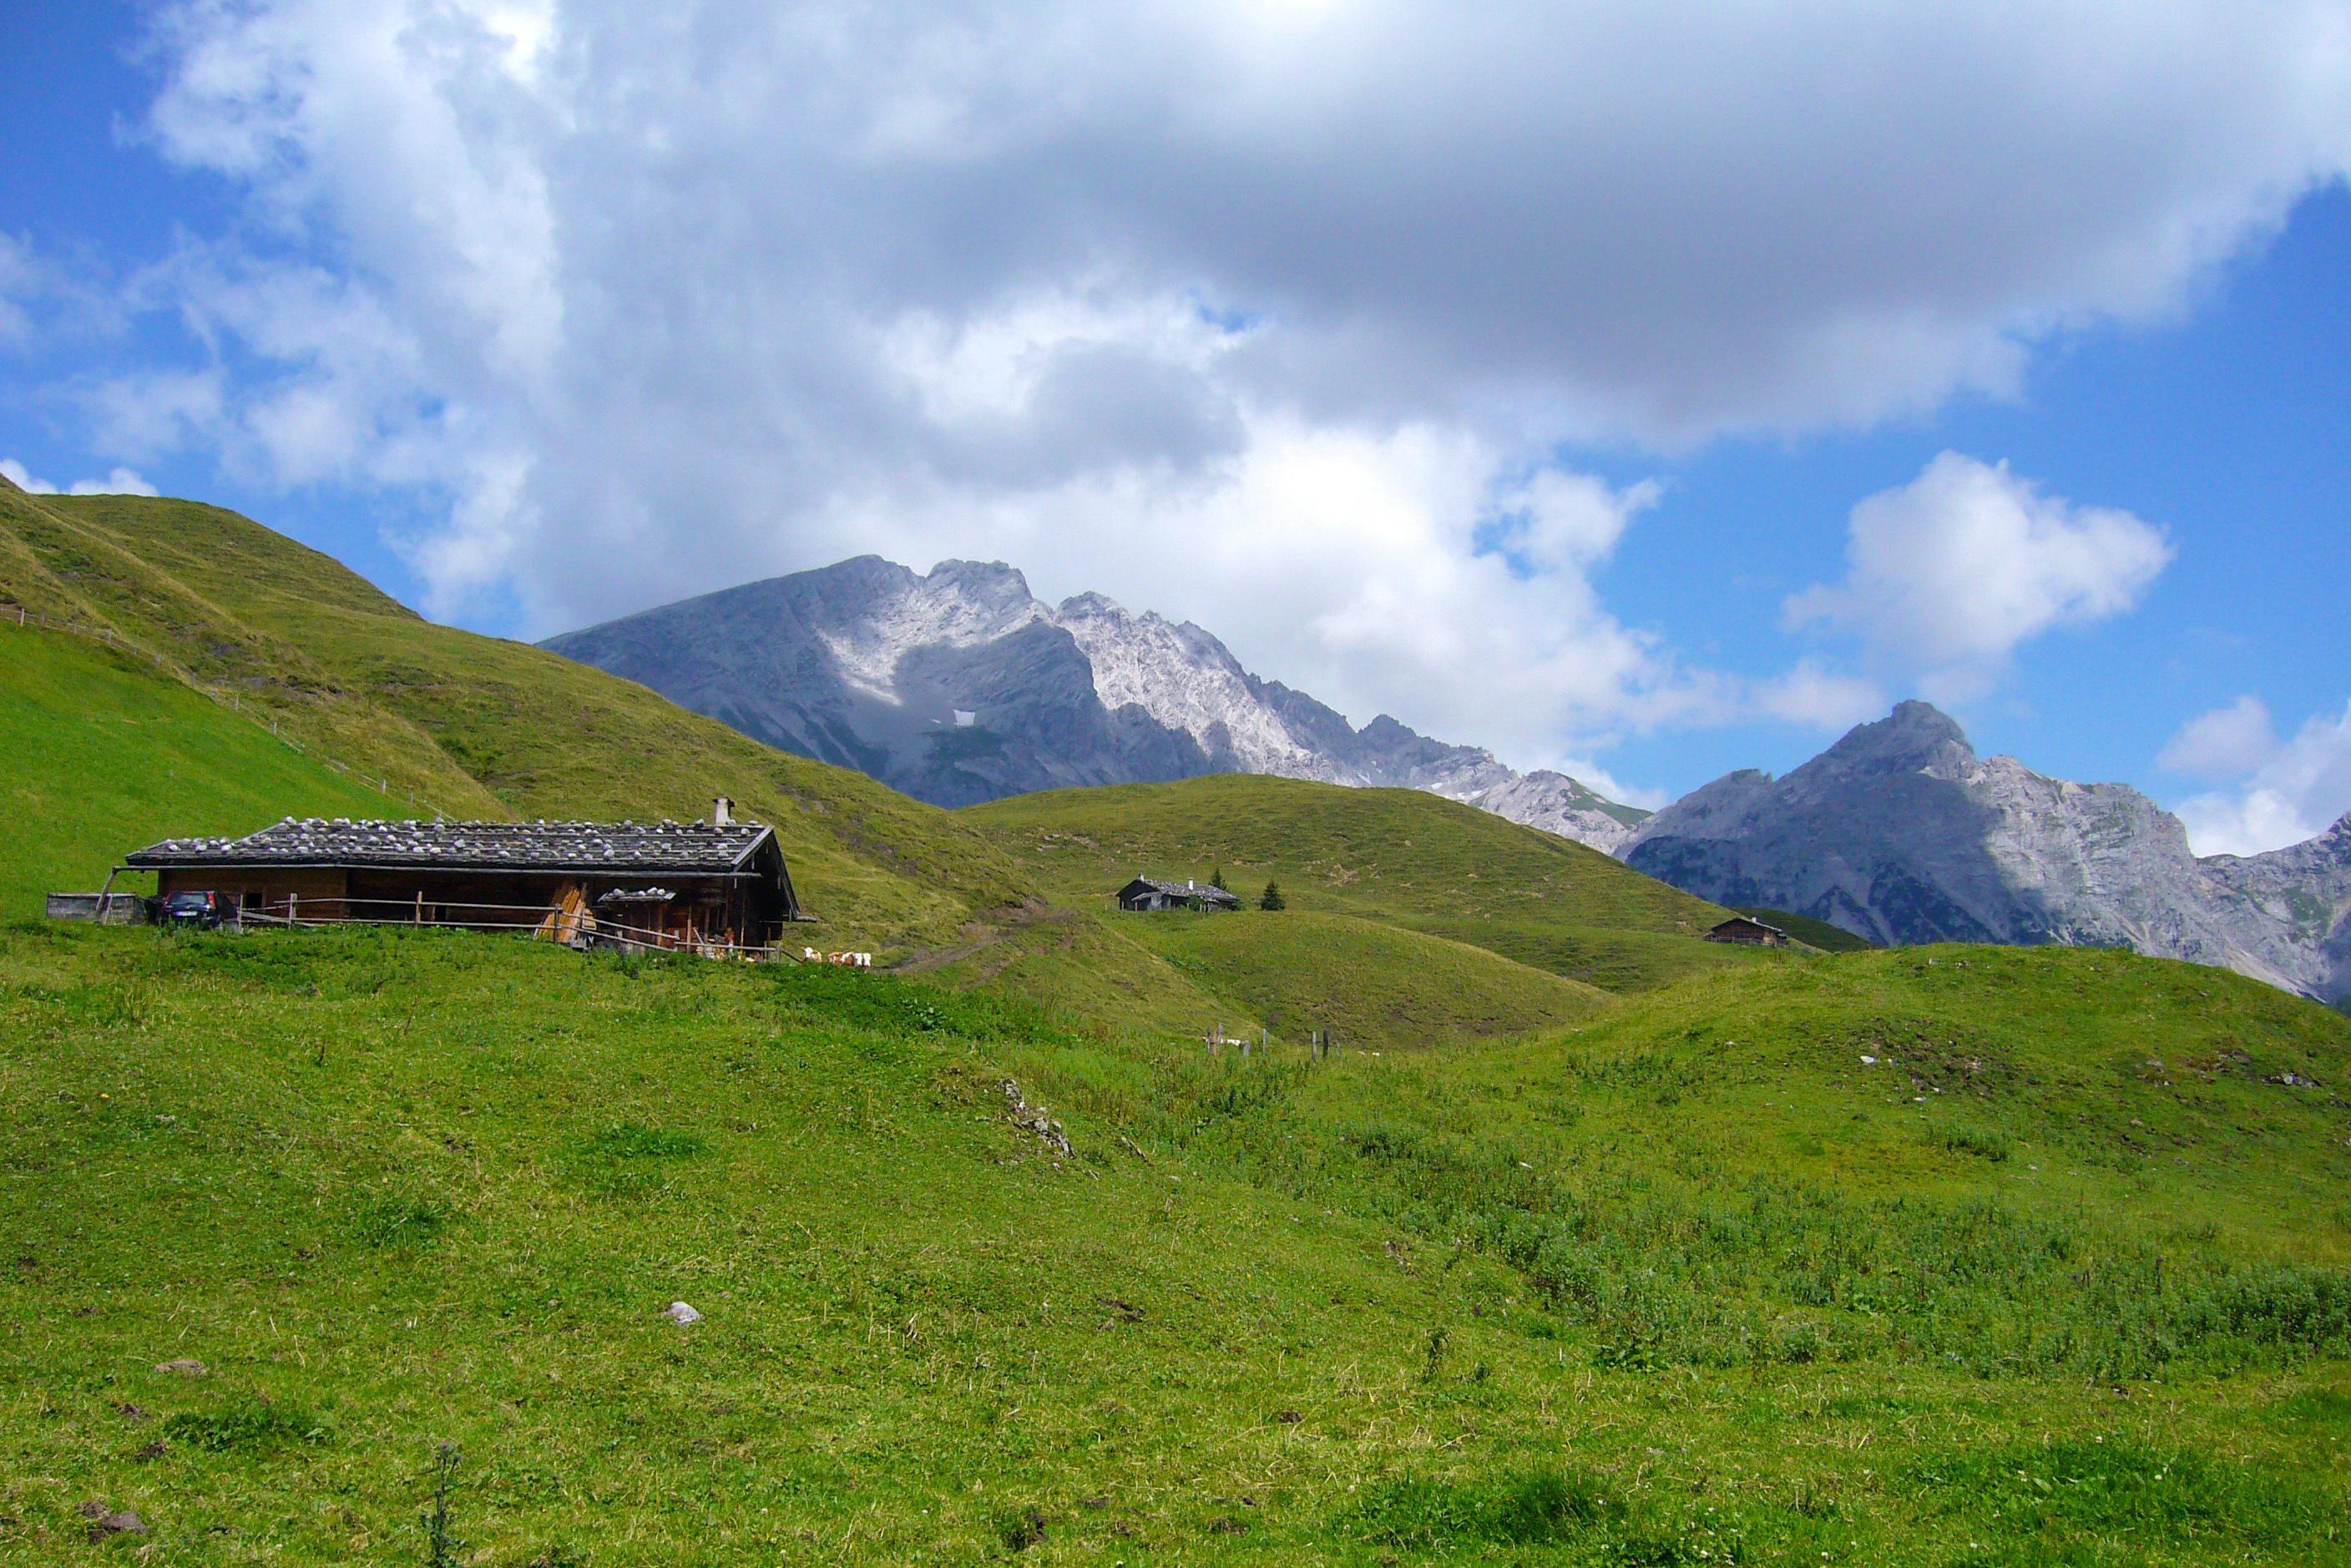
[{"x": 196, "y": 911}]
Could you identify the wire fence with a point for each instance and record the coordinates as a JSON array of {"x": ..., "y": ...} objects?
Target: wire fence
[{"x": 98, "y": 631}]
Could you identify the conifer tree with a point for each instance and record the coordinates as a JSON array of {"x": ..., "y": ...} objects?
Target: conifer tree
[{"x": 1271, "y": 898}]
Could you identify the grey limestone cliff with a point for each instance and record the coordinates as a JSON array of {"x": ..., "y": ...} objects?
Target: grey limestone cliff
[{"x": 1902, "y": 833}]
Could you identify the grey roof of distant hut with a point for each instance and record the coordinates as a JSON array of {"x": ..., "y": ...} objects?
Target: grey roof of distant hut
[
  {"x": 622, "y": 847},
  {"x": 1203, "y": 890},
  {"x": 1746, "y": 920}
]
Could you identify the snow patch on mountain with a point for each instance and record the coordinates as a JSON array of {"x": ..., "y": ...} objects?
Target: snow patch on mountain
[{"x": 1188, "y": 680}]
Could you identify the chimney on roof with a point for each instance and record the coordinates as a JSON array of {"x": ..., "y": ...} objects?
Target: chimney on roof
[{"x": 722, "y": 812}]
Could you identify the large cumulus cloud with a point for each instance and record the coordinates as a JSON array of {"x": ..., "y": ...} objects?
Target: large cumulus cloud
[{"x": 1271, "y": 313}]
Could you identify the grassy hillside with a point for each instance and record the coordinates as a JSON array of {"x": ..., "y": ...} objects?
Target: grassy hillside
[
  {"x": 103, "y": 757},
  {"x": 1399, "y": 857},
  {"x": 1369, "y": 984},
  {"x": 477, "y": 726},
  {"x": 1689, "y": 1282},
  {"x": 1386, "y": 853},
  {"x": 474, "y": 725},
  {"x": 1812, "y": 933},
  {"x": 1089, "y": 971}
]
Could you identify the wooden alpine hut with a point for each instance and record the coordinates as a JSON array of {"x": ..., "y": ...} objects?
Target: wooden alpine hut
[
  {"x": 1748, "y": 932},
  {"x": 1151, "y": 894},
  {"x": 720, "y": 884}
]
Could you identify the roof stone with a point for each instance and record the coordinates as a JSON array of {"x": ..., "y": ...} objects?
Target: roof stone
[
  {"x": 530, "y": 846},
  {"x": 1208, "y": 891}
]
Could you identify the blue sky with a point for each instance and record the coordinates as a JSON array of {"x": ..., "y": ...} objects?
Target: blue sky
[{"x": 1520, "y": 375}]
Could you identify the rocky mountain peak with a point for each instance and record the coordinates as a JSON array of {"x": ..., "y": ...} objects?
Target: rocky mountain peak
[
  {"x": 859, "y": 573},
  {"x": 1915, "y": 736},
  {"x": 960, "y": 686},
  {"x": 1898, "y": 832},
  {"x": 985, "y": 583},
  {"x": 1090, "y": 606}
]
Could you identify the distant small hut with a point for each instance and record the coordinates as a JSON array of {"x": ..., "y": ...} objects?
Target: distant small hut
[
  {"x": 714, "y": 885},
  {"x": 1147, "y": 893},
  {"x": 1748, "y": 932}
]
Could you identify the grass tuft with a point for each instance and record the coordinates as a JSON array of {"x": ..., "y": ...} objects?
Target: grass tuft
[{"x": 248, "y": 1425}]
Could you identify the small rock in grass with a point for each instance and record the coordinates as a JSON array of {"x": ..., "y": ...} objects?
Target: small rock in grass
[
  {"x": 681, "y": 1314},
  {"x": 153, "y": 1451},
  {"x": 1288, "y": 1418},
  {"x": 184, "y": 1366},
  {"x": 105, "y": 1521}
]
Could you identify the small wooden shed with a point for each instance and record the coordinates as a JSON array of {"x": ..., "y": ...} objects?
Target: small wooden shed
[
  {"x": 1145, "y": 893},
  {"x": 1748, "y": 932}
]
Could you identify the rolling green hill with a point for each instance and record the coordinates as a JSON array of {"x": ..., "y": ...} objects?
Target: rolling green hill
[
  {"x": 211, "y": 603},
  {"x": 1387, "y": 854},
  {"x": 476, "y": 726},
  {"x": 104, "y": 756},
  {"x": 1687, "y": 1283},
  {"x": 1367, "y": 983},
  {"x": 1398, "y": 857},
  {"x": 473, "y": 725},
  {"x": 1812, "y": 933}
]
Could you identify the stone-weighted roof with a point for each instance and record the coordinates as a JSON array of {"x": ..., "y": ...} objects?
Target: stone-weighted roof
[
  {"x": 521, "y": 846},
  {"x": 1207, "y": 892}
]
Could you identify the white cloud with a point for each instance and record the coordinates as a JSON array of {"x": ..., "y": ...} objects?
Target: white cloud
[
  {"x": 2226, "y": 743},
  {"x": 1276, "y": 314},
  {"x": 145, "y": 413},
  {"x": 1946, "y": 576},
  {"x": 1819, "y": 698},
  {"x": 2293, "y": 791},
  {"x": 119, "y": 481},
  {"x": 1371, "y": 593}
]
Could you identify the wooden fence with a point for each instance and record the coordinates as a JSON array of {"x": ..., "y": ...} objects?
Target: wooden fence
[{"x": 546, "y": 921}]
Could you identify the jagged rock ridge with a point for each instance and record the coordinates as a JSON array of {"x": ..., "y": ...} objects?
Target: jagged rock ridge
[
  {"x": 960, "y": 686},
  {"x": 1900, "y": 833}
]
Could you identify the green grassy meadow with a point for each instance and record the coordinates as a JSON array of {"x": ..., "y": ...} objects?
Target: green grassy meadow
[
  {"x": 1684, "y": 1283},
  {"x": 1594, "y": 1243},
  {"x": 1398, "y": 855},
  {"x": 1435, "y": 874},
  {"x": 1363, "y": 982},
  {"x": 104, "y": 758},
  {"x": 1813, "y": 932}
]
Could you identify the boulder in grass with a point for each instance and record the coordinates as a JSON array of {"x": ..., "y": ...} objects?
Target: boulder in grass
[
  {"x": 681, "y": 1314},
  {"x": 185, "y": 1367}
]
